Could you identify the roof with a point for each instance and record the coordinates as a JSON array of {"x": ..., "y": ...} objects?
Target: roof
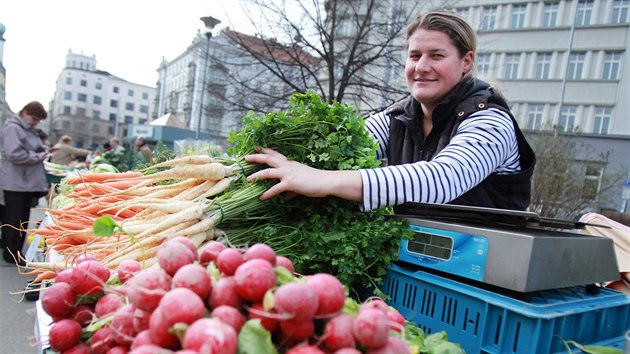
[{"x": 169, "y": 120}]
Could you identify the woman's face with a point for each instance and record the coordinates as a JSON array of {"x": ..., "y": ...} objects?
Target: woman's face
[
  {"x": 433, "y": 66},
  {"x": 31, "y": 120}
]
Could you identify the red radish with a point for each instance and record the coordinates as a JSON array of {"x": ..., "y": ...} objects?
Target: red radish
[
  {"x": 102, "y": 340},
  {"x": 331, "y": 294},
  {"x": 261, "y": 251},
  {"x": 158, "y": 331},
  {"x": 347, "y": 351},
  {"x": 81, "y": 348},
  {"x": 224, "y": 293},
  {"x": 85, "y": 257},
  {"x": 374, "y": 302},
  {"x": 181, "y": 305},
  {"x": 267, "y": 320},
  {"x": 119, "y": 349},
  {"x": 338, "y": 332},
  {"x": 253, "y": 279},
  {"x": 89, "y": 277},
  {"x": 122, "y": 327},
  {"x": 305, "y": 349},
  {"x": 64, "y": 334},
  {"x": 228, "y": 260},
  {"x": 209, "y": 252},
  {"x": 143, "y": 337},
  {"x": 82, "y": 314},
  {"x": 173, "y": 255},
  {"x": 298, "y": 329},
  {"x": 107, "y": 304},
  {"x": 396, "y": 321},
  {"x": 229, "y": 315},
  {"x": 297, "y": 300},
  {"x": 282, "y": 261},
  {"x": 188, "y": 243},
  {"x": 146, "y": 288},
  {"x": 150, "y": 349},
  {"x": 371, "y": 328},
  {"x": 141, "y": 320},
  {"x": 393, "y": 345},
  {"x": 209, "y": 335},
  {"x": 127, "y": 268},
  {"x": 64, "y": 276},
  {"x": 59, "y": 300},
  {"x": 195, "y": 278}
]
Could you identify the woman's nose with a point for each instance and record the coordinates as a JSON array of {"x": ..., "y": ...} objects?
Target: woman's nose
[{"x": 422, "y": 64}]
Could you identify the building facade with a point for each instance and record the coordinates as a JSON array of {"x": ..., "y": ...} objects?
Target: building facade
[
  {"x": 92, "y": 105},
  {"x": 5, "y": 111}
]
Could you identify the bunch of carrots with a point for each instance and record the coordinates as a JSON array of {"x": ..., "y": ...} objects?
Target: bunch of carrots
[{"x": 187, "y": 196}]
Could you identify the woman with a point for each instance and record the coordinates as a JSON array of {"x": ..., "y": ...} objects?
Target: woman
[
  {"x": 453, "y": 140},
  {"x": 22, "y": 174},
  {"x": 66, "y": 153}
]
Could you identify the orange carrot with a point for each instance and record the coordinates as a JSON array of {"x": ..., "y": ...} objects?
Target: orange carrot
[{"x": 102, "y": 177}]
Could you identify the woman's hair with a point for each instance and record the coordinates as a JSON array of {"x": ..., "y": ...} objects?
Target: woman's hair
[
  {"x": 66, "y": 139},
  {"x": 450, "y": 23},
  {"x": 35, "y": 109}
]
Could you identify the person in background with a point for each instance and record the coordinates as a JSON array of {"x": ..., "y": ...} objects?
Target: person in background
[
  {"x": 115, "y": 146},
  {"x": 452, "y": 140},
  {"x": 22, "y": 175},
  {"x": 107, "y": 147},
  {"x": 43, "y": 136},
  {"x": 142, "y": 147},
  {"x": 66, "y": 153}
]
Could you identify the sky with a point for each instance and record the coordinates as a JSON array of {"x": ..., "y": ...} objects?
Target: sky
[{"x": 128, "y": 37}]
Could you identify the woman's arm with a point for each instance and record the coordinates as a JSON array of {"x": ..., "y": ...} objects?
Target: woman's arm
[{"x": 15, "y": 151}]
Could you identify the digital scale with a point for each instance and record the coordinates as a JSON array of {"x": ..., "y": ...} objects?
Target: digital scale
[{"x": 514, "y": 250}]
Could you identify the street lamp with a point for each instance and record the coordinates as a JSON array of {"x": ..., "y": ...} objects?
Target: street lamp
[{"x": 209, "y": 22}]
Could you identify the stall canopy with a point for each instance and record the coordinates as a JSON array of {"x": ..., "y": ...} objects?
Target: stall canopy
[
  {"x": 167, "y": 129},
  {"x": 169, "y": 120}
]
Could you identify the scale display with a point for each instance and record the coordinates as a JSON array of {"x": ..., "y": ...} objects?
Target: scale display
[{"x": 449, "y": 251}]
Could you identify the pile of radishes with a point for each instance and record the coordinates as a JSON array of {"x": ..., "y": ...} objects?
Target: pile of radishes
[{"x": 213, "y": 300}]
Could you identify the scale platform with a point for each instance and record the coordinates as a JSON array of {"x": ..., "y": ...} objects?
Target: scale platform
[{"x": 514, "y": 250}]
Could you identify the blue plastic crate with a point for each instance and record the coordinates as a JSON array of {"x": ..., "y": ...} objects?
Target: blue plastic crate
[{"x": 484, "y": 321}]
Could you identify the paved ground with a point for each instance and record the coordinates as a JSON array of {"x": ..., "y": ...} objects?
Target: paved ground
[{"x": 17, "y": 315}]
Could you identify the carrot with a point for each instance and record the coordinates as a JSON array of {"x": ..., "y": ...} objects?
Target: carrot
[
  {"x": 101, "y": 177},
  {"x": 44, "y": 276}
]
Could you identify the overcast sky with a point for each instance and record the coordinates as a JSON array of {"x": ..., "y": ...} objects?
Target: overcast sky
[{"x": 128, "y": 38}]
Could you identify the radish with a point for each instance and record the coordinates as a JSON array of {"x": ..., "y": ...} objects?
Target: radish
[
  {"x": 338, "y": 332},
  {"x": 253, "y": 279},
  {"x": 107, "y": 304},
  {"x": 173, "y": 255},
  {"x": 371, "y": 328},
  {"x": 393, "y": 345},
  {"x": 228, "y": 260},
  {"x": 297, "y": 329},
  {"x": 64, "y": 276},
  {"x": 230, "y": 316},
  {"x": 195, "y": 278},
  {"x": 122, "y": 327},
  {"x": 209, "y": 335},
  {"x": 209, "y": 252},
  {"x": 82, "y": 314},
  {"x": 305, "y": 349},
  {"x": 64, "y": 334},
  {"x": 181, "y": 305},
  {"x": 141, "y": 320},
  {"x": 159, "y": 331},
  {"x": 146, "y": 288},
  {"x": 85, "y": 257},
  {"x": 267, "y": 319},
  {"x": 261, "y": 251},
  {"x": 89, "y": 277},
  {"x": 119, "y": 349},
  {"x": 282, "y": 261},
  {"x": 347, "y": 351},
  {"x": 297, "y": 300},
  {"x": 224, "y": 293},
  {"x": 59, "y": 300},
  {"x": 143, "y": 337},
  {"x": 396, "y": 321},
  {"x": 127, "y": 268},
  {"x": 150, "y": 349},
  {"x": 374, "y": 302},
  {"x": 331, "y": 294},
  {"x": 188, "y": 243},
  {"x": 102, "y": 340},
  {"x": 81, "y": 348}
]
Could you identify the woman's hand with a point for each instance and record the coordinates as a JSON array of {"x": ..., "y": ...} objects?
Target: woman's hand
[{"x": 297, "y": 178}]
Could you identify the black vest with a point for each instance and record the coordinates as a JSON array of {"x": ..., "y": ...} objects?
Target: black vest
[{"x": 407, "y": 143}]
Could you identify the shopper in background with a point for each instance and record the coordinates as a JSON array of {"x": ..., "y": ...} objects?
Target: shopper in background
[
  {"x": 22, "y": 175},
  {"x": 66, "y": 153},
  {"x": 115, "y": 146},
  {"x": 453, "y": 140},
  {"x": 142, "y": 147}
]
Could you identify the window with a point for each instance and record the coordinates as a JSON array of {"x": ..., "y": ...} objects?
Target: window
[
  {"x": 82, "y": 97},
  {"x": 113, "y": 103},
  {"x": 80, "y": 111},
  {"x": 602, "y": 120},
  {"x": 130, "y": 93},
  {"x": 67, "y": 95},
  {"x": 65, "y": 124},
  {"x": 535, "y": 116},
  {"x": 129, "y": 106},
  {"x": 145, "y": 96},
  {"x": 612, "y": 63},
  {"x": 110, "y": 130},
  {"x": 112, "y": 117},
  {"x": 68, "y": 81},
  {"x": 96, "y": 114},
  {"x": 550, "y": 14},
  {"x": 543, "y": 65},
  {"x": 128, "y": 119},
  {"x": 566, "y": 122},
  {"x": 144, "y": 108},
  {"x": 518, "y": 16},
  {"x": 592, "y": 180},
  {"x": 583, "y": 13},
  {"x": 489, "y": 19},
  {"x": 115, "y": 89},
  {"x": 620, "y": 12},
  {"x": 97, "y": 100},
  {"x": 67, "y": 110},
  {"x": 142, "y": 121},
  {"x": 483, "y": 64},
  {"x": 511, "y": 66},
  {"x": 79, "y": 125},
  {"x": 576, "y": 65},
  {"x": 98, "y": 85},
  {"x": 463, "y": 12},
  {"x": 83, "y": 83}
]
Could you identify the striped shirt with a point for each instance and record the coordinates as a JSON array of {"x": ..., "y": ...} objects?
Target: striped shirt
[{"x": 484, "y": 143}]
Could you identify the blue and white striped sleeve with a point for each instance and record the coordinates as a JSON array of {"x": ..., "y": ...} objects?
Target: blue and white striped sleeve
[
  {"x": 378, "y": 125},
  {"x": 484, "y": 143}
]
